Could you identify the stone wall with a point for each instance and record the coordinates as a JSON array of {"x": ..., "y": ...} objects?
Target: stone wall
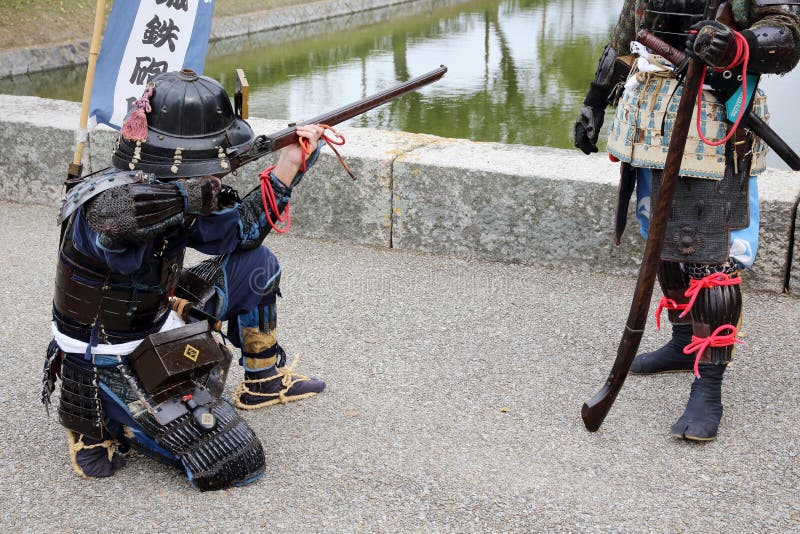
[{"x": 423, "y": 193}]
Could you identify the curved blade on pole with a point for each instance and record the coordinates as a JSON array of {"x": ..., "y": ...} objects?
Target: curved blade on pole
[{"x": 595, "y": 409}]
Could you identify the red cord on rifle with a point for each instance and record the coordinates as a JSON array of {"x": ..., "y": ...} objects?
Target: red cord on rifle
[
  {"x": 742, "y": 58},
  {"x": 268, "y": 198},
  {"x": 271, "y": 203},
  {"x": 338, "y": 139}
]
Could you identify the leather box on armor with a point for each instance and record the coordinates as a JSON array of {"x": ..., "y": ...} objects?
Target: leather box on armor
[{"x": 174, "y": 356}]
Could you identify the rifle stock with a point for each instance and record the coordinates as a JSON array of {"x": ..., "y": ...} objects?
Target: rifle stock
[{"x": 265, "y": 144}]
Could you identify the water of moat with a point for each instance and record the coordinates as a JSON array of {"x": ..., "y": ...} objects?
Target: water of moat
[{"x": 518, "y": 69}]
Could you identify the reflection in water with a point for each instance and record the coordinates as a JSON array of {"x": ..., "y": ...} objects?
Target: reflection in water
[{"x": 518, "y": 70}]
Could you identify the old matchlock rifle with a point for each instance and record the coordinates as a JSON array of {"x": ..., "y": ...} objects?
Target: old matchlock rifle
[
  {"x": 594, "y": 410},
  {"x": 265, "y": 144}
]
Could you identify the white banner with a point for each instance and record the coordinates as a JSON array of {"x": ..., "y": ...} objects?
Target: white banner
[{"x": 144, "y": 38}]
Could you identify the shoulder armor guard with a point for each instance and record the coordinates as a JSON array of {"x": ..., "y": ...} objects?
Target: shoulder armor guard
[{"x": 93, "y": 186}]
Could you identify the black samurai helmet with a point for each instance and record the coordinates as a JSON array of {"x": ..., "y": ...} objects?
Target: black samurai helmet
[{"x": 183, "y": 126}]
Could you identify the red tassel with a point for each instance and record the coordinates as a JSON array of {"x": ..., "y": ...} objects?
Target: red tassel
[{"x": 135, "y": 127}]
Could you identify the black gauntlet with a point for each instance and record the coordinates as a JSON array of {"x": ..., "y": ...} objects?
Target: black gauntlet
[
  {"x": 601, "y": 93},
  {"x": 712, "y": 43},
  {"x": 773, "y": 44}
]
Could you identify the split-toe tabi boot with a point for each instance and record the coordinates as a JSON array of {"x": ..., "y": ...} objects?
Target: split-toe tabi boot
[
  {"x": 701, "y": 418},
  {"x": 668, "y": 359},
  {"x": 275, "y": 385},
  {"x": 93, "y": 458}
]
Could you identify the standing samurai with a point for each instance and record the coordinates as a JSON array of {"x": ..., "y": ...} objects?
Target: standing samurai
[{"x": 712, "y": 234}]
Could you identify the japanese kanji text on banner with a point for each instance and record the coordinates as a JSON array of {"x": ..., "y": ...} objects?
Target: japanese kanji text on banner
[{"x": 144, "y": 38}]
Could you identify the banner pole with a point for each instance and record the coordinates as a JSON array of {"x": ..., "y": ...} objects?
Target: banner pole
[{"x": 76, "y": 168}]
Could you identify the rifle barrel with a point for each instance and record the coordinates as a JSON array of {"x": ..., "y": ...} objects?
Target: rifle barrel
[{"x": 287, "y": 136}]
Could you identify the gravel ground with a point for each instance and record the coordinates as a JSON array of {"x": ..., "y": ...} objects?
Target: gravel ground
[{"x": 453, "y": 404}]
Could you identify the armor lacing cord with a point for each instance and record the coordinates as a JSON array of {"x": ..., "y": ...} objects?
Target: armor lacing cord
[
  {"x": 268, "y": 197},
  {"x": 712, "y": 280},
  {"x": 77, "y": 445},
  {"x": 742, "y": 58},
  {"x": 668, "y": 304},
  {"x": 716, "y": 339},
  {"x": 288, "y": 379}
]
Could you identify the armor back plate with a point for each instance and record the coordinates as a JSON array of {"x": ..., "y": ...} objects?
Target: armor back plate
[{"x": 671, "y": 19}]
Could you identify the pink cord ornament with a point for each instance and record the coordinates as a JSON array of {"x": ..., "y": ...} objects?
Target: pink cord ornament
[{"x": 135, "y": 128}]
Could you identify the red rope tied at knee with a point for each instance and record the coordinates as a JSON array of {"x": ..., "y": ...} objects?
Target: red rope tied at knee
[
  {"x": 716, "y": 339},
  {"x": 712, "y": 280},
  {"x": 742, "y": 57},
  {"x": 668, "y": 304},
  {"x": 270, "y": 203}
]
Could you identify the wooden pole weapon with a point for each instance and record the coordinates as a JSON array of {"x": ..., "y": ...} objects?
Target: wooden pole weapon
[{"x": 594, "y": 410}]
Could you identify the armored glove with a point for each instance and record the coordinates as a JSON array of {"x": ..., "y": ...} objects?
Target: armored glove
[
  {"x": 587, "y": 128},
  {"x": 590, "y": 119},
  {"x": 713, "y": 43},
  {"x": 202, "y": 194}
]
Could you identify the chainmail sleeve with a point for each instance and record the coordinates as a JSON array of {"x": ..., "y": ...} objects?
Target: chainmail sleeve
[
  {"x": 255, "y": 226},
  {"x": 135, "y": 213}
]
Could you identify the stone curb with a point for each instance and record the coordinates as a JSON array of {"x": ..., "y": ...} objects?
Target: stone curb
[
  {"x": 509, "y": 203},
  {"x": 20, "y": 61}
]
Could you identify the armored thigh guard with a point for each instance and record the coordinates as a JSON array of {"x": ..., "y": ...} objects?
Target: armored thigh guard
[
  {"x": 703, "y": 214},
  {"x": 80, "y": 408},
  {"x": 227, "y": 454},
  {"x": 166, "y": 399}
]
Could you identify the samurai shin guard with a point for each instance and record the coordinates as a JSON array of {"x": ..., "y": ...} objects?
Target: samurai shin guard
[
  {"x": 716, "y": 307},
  {"x": 716, "y": 310},
  {"x": 92, "y": 449},
  {"x": 268, "y": 380},
  {"x": 229, "y": 454},
  {"x": 669, "y": 358}
]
